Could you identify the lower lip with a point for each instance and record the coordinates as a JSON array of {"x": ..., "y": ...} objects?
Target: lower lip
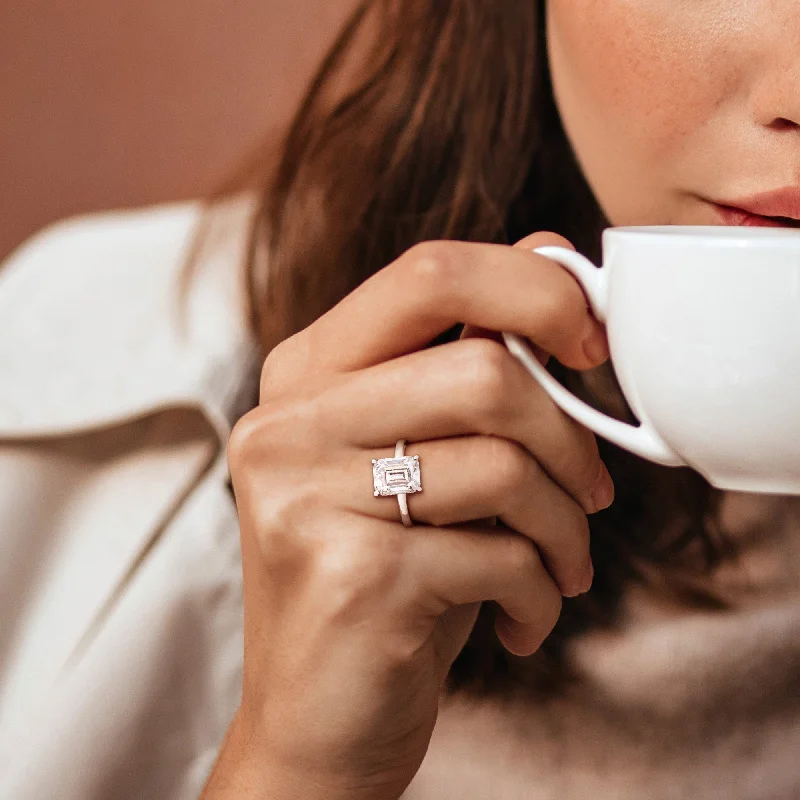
[{"x": 735, "y": 216}]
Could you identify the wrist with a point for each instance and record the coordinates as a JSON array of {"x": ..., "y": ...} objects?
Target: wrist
[{"x": 244, "y": 771}]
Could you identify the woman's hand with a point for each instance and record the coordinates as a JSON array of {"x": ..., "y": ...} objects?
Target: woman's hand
[{"x": 351, "y": 619}]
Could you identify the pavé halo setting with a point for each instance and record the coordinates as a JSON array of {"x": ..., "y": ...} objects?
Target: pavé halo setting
[{"x": 397, "y": 476}]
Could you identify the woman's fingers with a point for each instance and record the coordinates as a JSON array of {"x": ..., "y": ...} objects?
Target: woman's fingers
[
  {"x": 477, "y": 477},
  {"x": 466, "y": 387},
  {"x": 430, "y": 288},
  {"x": 457, "y": 566}
]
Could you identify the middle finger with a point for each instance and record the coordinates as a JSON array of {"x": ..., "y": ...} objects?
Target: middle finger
[{"x": 462, "y": 388}]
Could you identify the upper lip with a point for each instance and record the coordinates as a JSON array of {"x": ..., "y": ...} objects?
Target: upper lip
[{"x": 783, "y": 202}]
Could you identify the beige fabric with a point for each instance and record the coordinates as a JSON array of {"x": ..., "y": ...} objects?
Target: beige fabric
[
  {"x": 120, "y": 632},
  {"x": 120, "y": 578}
]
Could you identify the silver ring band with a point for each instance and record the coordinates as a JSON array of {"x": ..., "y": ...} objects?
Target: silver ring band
[
  {"x": 397, "y": 476},
  {"x": 402, "y": 500}
]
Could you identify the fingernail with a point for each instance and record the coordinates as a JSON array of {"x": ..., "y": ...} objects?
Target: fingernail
[
  {"x": 582, "y": 584},
  {"x": 603, "y": 492},
  {"x": 595, "y": 347}
]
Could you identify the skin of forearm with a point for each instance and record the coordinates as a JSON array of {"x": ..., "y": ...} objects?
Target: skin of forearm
[{"x": 240, "y": 775}]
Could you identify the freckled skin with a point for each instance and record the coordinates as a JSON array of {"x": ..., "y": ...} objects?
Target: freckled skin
[{"x": 667, "y": 102}]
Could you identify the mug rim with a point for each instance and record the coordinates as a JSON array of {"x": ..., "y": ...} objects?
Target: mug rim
[{"x": 706, "y": 234}]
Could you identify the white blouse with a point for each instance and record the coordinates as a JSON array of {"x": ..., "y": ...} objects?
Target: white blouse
[{"x": 120, "y": 582}]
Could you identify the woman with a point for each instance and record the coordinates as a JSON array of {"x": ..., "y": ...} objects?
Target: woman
[{"x": 470, "y": 652}]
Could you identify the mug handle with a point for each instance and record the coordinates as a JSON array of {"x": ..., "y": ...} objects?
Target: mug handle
[{"x": 642, "y": 440}]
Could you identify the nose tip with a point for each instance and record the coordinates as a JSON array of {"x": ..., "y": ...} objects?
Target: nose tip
[{"x": 775, "y": 99}]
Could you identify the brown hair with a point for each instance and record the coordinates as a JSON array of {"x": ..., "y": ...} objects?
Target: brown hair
[{"x": 437, "y": 121}]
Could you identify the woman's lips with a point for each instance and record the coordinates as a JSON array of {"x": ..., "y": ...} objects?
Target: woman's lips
[
  {"x": 779, "y": 208},
  {"x": 736, "y": 216}
]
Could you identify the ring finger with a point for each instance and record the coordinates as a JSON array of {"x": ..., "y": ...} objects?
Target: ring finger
[{"x": 475, "y": 477}]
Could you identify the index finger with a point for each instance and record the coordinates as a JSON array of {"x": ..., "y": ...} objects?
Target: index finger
[{"x": 435, "y": 285}]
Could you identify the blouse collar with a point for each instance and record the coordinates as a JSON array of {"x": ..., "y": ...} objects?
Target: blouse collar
[{"x": 94, "y": 329}]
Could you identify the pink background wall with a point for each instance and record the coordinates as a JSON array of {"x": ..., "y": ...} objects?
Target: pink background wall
[{"x": 107, "y": 104}]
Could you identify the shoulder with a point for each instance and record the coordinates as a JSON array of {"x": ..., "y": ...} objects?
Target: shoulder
[
  {"x": 102, "y": 238},
  {"x": 95, "y": 326},
  {"x": 60, "y": 277}
]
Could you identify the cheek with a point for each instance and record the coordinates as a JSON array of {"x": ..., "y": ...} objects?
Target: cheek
[
  {"x": 623, "y": 63},
  {"x": 633, "y": 80}
]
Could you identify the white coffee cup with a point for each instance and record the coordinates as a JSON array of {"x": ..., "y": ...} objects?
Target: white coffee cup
[{"x": 703, "y": 325}]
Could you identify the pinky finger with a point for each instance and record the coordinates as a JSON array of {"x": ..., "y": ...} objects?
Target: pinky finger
[{"x": 458, "y": 565}]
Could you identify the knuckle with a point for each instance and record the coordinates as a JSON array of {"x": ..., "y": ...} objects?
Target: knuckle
[
  {"x": 432, "y": 268},
  {"x": 272, "y": 370},
  {"x": 489, "y": 375},
  {"x": 245, "y": 440},
  {"x": 281, "y": 365},
  {"x": 525, "y": 558},
  {"x": 268, "y": 435},
  {"x": 563, "y": 315},
  {"x": 354, "y": 569},
  {"x": 508, "y": 465},
  {"x": 565, "y": 304},
  {"x": 282, "y": 527}
]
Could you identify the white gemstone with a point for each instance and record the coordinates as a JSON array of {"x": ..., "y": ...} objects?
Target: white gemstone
[{"x": 396, "y": 475}]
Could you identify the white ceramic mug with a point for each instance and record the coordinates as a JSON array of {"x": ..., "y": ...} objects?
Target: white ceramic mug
[{"x": 703, "y": 325}]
